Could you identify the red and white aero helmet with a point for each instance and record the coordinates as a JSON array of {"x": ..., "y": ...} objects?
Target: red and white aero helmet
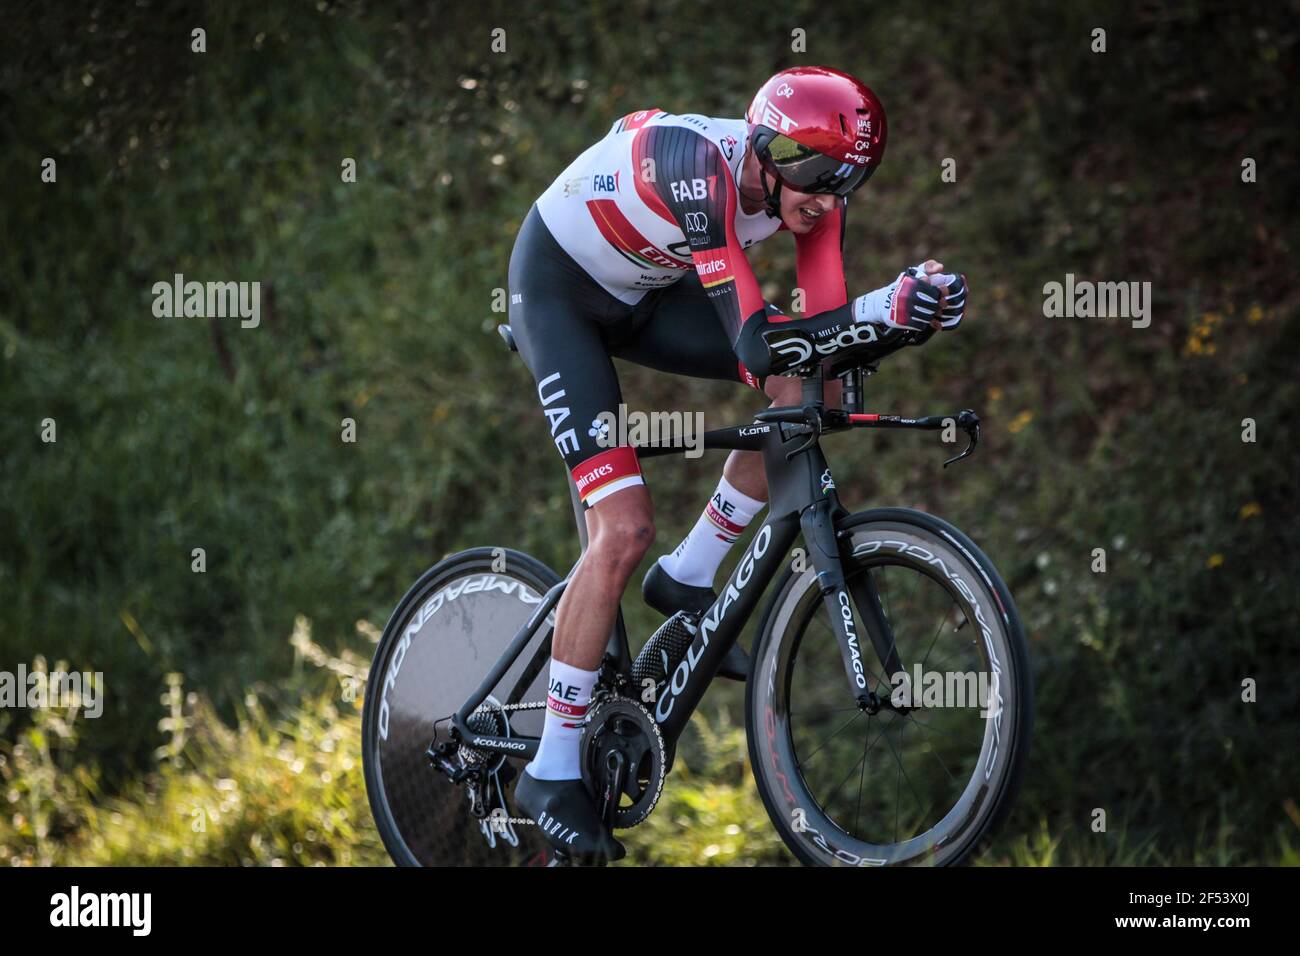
[{"x": 817, "y": 130}]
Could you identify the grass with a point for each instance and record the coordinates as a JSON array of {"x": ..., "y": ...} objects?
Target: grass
[{"x": 283, "y": 786}]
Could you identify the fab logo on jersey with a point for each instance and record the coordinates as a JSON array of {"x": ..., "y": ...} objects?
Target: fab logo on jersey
[{"x": 684, "y": 190}]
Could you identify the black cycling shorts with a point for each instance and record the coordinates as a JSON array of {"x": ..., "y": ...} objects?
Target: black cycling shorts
[{"x": 569, "y": 329}]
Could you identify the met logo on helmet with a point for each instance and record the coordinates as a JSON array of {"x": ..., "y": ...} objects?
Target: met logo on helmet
[{"x": 766, "y": 114}]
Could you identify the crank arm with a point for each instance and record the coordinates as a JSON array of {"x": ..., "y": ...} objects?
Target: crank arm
[{"x": 615, "y": 776}]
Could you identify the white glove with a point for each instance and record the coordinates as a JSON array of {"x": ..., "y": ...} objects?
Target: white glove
[
  {"x": 909, "y": 302},
  {"x": 874, "y": 306},
  {"x": 919, "y": 304}
]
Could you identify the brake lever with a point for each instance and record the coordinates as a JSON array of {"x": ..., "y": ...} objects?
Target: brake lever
[
  {"x": 813, "y": 419},
  {"x": 968, "y": 422}
]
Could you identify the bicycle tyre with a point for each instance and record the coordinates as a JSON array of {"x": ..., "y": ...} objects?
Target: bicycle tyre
[{"x": 776, "y": 772}]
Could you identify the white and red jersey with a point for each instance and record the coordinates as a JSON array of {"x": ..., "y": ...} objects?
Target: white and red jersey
[
  {"x": 606, "y": 212},
  {"x": 658, "y": 198}
]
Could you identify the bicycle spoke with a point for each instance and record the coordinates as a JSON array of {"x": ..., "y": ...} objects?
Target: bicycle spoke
[
  {"x": 903, "y": 774},
  {"x": 933, "y": 752},
  {"x": 824, "y": 710},
  {"x": 898, "y": 787},
  {"x": 889, "y": 610},
  {"x": 937, "y": 631},
  {"x": 893, "y": 629},
  {"x": 804, "y": 761},
  {"x": 834, "y": 793},
  {"x": 928, "y": 728},
  {"x": 857, "y": 813}
]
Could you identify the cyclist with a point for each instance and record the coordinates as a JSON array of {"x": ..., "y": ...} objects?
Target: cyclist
[{"x": 636, "y": 251}]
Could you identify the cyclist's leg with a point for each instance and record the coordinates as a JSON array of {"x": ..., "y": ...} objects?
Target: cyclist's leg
[
  {"x": 558, "y": 317},
  {"x": 678, "y": 331},
  {"x": 556, "y": 312}
]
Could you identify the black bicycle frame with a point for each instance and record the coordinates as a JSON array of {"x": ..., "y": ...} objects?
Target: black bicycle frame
[{"x": 801, "y": 499}]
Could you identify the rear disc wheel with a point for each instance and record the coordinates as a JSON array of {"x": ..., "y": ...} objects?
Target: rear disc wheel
[{"x": 440, "y": 642}]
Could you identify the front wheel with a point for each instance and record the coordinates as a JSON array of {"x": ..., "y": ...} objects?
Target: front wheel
[{"x": 923, "y": 772}]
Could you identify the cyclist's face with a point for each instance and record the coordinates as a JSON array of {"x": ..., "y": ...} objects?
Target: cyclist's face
[{"x": 801, "y": 211}]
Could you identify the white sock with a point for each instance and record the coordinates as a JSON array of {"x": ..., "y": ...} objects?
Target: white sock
[
  {"x": 566, "y": 706},
  {"x": 697, "y": 558}
]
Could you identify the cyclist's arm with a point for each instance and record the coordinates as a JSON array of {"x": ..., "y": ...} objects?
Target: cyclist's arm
[
  {"x": 819, "y": 262},
  {"x": 694, "y": 185}
]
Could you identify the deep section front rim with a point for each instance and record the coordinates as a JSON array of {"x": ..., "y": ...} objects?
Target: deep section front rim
[{"x": 819, "y": 834}]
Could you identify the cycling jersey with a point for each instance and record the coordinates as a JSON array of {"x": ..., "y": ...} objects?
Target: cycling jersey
[
  {"x": 658, "y": 198},
  {"x": 637, "y": 251}
]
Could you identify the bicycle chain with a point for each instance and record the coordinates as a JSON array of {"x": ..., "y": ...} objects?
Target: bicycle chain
[{"x": 536, "y": 705}]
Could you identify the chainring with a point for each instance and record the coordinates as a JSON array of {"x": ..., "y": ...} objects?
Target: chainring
[{"x": 623, "y": 725}]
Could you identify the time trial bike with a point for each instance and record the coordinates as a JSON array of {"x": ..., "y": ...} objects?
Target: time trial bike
[{"x": 859, "y": 758}]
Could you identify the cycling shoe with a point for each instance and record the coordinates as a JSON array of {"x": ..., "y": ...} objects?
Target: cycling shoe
[
  {"x": 667, "y": 595},
  {"x": 567, "y": 818}
]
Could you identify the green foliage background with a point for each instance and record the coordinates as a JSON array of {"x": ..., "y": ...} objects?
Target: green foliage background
[{"x": 378, "y": 306}]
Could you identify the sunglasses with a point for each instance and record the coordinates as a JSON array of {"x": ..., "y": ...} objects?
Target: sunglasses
[{"x": 806, "y": 170}]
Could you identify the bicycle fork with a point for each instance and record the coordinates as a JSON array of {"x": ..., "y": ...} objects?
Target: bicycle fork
[{"x": 818, "y": 525}]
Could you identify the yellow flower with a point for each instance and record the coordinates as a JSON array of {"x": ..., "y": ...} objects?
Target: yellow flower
[
  {"x": 1251, "y": 510},
  {"x": 995, "y": 394},
  {"x": 1255, "y": 315},
  {"x": 1214, "y": 561},
  {"x": 1020, "y": 421}
]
